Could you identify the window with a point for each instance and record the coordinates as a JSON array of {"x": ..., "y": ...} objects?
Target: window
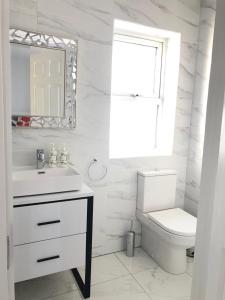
[
  {"x": 138, "y": 93},
  {"x": 137, "y": 67}
]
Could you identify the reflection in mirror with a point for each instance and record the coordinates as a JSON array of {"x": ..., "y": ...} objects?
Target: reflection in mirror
[
  {"x": 38, "y": 81},
  {"x": 43, "y": 72}
]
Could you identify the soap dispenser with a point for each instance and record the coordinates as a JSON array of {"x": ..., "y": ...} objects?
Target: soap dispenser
[
  {"x": 52, "y": 156},
  {"x": 64, "y": 157}
]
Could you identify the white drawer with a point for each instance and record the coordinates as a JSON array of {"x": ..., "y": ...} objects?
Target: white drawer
[
  {"x": 46, "y": 221},
  {"x": 47, "y": 257}
]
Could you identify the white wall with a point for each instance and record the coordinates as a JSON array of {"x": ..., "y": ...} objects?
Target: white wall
[
  {"x": 91, "y": 23},
  {"x": 6, "y": 255},
  {"x": 209, "y": 273},
  {"x": 194, "y": 169}
]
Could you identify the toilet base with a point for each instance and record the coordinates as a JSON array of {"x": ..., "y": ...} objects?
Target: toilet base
[{"x": 170, "y": 258}]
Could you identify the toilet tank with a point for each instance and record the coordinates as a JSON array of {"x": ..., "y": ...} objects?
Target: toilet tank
[{"x": 156, "y": 190}]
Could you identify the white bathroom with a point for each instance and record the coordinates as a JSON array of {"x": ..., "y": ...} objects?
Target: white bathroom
[{"x": 112, "y": 149}]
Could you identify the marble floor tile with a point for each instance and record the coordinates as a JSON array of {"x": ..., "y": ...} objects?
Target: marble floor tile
[
  {"x": 46, "y": 286},
  {"x": 123, "y": 288},
  {"x": 164, "y": 286},
  {"x": 105, "y": 268},
  {"x": 140, "y": 262},
  {"x": 114, "y": 276},
  {"x": 75, "y": 295},
  {"x": 190, "y": 264}
]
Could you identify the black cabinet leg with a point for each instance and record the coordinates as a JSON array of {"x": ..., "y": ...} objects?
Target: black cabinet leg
[{"x": 85, "y": 287}]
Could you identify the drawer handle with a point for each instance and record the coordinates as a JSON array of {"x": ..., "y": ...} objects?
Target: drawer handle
[
  {"x": 48, "y": 258},
  {"x": 48, "y": 223}
]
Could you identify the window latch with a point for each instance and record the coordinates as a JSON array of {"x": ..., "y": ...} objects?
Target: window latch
[{"x": 134, "y": 95}]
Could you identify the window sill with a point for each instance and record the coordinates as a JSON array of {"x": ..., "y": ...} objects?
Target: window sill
[{"x": 156, "y": 153}]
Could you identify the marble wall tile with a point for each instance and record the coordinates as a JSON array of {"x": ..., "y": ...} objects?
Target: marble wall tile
[
  {"x": 91, "y": 24},
  {"x": 23, "y": 14},
  {"x": 175, "y": 15},
  {"x": 198, "y": 115}
]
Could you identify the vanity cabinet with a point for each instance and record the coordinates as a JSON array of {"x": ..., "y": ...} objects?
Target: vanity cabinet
[
  {"x": 53, "y": 233},
  {"x": 37, "y": 223},
  {"x": 50, "y": 256}
]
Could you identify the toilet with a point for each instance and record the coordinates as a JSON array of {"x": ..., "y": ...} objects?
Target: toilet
[{"x": 167, "y": 231}]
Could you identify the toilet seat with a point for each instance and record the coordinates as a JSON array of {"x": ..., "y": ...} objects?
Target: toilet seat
[{"x": 175, "y": 221}]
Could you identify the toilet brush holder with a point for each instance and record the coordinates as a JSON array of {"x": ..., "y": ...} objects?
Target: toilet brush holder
[{"x": 130, "y": 243}]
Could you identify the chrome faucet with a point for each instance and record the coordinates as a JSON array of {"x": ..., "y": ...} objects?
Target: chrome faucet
[{"x": 40, "y": 159}]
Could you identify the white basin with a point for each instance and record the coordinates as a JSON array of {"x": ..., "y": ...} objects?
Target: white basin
[{"x": 31, "y": 181}]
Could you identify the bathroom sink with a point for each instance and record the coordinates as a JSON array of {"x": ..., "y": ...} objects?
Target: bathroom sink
[{"x": 31, "y": 181}]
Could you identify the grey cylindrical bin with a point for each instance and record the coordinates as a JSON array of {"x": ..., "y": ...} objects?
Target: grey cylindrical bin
[{"x": 130, "y": 243}]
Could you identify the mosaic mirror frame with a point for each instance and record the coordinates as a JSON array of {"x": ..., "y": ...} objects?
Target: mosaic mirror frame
[{"x": 68, "y": 121}]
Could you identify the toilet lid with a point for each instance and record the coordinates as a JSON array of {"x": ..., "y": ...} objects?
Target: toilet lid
[{"x": 175, "y": 221}]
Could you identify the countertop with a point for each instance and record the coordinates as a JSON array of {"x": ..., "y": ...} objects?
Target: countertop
[{"x": 84, "y": 192}]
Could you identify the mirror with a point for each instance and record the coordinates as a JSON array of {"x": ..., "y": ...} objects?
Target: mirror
[
  {"x": 43, "y": 72},
  {"x": 38, "y": 79}
]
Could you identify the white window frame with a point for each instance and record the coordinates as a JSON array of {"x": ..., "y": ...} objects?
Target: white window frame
[
  {"x": 160, "y": 46},
  {"x": 157, "y": 96}
]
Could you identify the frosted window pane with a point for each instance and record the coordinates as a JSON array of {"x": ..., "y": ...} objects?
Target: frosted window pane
[
  {"x": 133, "y": 127},
  {"x": 133, "y": 69}
]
